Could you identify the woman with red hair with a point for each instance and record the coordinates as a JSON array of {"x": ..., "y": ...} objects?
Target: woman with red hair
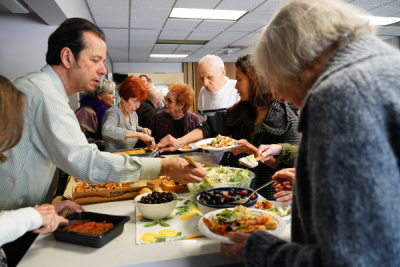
[
  {"x": 175, "y": 119},
  {"x": 120, "y": 129}
]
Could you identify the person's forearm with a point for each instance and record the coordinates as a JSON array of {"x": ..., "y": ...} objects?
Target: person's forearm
[
  {"x": 134, "y": 135},
  {"x": 193, "y": 136}
]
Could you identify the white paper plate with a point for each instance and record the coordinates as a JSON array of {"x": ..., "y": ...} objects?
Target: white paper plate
[
  {"x": 193, "y": 145},
  {"x": 255, "y": 212},
  {"x": 288, "y": 218},
  {"x": 207, "y": 141}
]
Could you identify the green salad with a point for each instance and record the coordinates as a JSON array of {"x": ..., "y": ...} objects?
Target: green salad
[{"x": 223, "y": 177}]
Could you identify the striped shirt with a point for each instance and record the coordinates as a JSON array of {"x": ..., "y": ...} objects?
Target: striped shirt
[
  {"x": 209, "y": 103},
  {"x": 52, "y": 137}
]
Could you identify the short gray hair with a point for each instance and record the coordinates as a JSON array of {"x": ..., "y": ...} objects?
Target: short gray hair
[
  {"x": 105, "y": 87},
  {"x": 216, "y": 60},
  {"x": 155, "y": 95},
  {"x": 300, "y": 31}
]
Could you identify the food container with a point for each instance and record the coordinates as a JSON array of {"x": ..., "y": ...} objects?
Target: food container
[
  {"x": 156, "y": 211},
  {"x": 195, "y": 188},
  {"x": 205, "y": 208},
  {"x": 92, "y": 240},
  {"x": 168, "y": 184},
  {"x": 134, "y": 152}
]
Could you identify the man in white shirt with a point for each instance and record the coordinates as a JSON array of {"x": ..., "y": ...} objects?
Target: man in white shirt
[
  {"x": 52, "y": 135},
  {"x": 218, "y": 92}
]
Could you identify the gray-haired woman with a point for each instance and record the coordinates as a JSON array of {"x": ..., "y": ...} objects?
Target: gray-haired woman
[
  {"x": 94, "y": 105},
  {"x": 322, "y": 56}
]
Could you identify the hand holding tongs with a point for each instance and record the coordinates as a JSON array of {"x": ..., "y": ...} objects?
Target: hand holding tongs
[{"x": 156, "y": 152}]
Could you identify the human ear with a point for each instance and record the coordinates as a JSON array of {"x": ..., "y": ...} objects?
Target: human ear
[{"x": 67, "y": 57}]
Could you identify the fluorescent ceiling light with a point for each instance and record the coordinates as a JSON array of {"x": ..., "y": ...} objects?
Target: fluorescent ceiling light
[
  {"x": 382, "y": 21},
  {"x": 169, "y": 55},
  {"x": 185, "y": 42},
  {"x": 215, "y": 14}
]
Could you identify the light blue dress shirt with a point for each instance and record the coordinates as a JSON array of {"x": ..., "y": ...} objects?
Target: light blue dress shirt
[{"x": 52, "y": 137}]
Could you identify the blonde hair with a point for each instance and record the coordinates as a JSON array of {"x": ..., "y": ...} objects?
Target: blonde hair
[
  {"x": 298, "y": 34},
  {"x": 11, "y": 114}
]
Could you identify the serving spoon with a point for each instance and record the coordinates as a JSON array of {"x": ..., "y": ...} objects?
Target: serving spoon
[{"x": 246, "y": 199}]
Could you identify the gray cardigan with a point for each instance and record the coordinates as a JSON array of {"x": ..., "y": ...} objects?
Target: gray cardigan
[
  {"x": 346, "y": 208},
  {"x": 115, "y": 127}
]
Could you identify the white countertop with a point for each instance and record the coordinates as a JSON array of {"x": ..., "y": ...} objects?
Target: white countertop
[{"x": 123, "y": 251}]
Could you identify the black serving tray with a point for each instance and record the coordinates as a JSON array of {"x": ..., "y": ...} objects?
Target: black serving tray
[{"x": 91, "y": 240}]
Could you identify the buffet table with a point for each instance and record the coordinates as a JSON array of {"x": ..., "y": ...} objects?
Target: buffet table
[{"x": 123, "y": 251}]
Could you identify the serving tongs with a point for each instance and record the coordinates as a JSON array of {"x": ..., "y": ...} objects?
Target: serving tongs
[
  {"x": 72, "y": 222},
  {"x": 191, "y": 161},
  {"x": 155, "y": 153}
]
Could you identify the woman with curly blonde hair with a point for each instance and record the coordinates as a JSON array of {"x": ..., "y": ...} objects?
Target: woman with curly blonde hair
[
  {"x": 175, "y": 119},
  {"x": 120, "y": 129}
]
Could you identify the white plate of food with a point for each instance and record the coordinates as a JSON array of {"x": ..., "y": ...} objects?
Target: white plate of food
[
  {"x": 221, "y": 229},
  {"x": 188, "y": 148},
  {"x": 218, "y": 143},
  {"x": 284, "y": 211}
]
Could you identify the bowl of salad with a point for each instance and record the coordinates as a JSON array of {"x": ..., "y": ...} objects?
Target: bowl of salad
[{"x": 222, "y": 176}]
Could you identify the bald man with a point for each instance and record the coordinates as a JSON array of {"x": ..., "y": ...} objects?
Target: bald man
[{"x": 218, "y": 92}]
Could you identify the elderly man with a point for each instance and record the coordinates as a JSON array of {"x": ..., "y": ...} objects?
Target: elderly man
[
  {"x": 218, "y": 92},
  {"x": 52, "y": 135},
  {"x": 148, "y": 108}
]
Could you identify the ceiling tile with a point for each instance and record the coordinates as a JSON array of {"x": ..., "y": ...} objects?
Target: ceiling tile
[
  {"x": 150, "y": 12},
  {"x": 257, "y": 17},
  {"x": 174, "y": 35},
  {"x": 202, "y": 35},
  {"x": 365, "y": 7},
  {"x": 110, "y": 13},
  {"x": 188, "y": 48},
  {"x": 117, "y": 39},
  {"x": 269, "y": 6},
  {"x": 155, "y": 23},
  {"x": 388, "y": 30},
  {"x": 247, "y": 5},
  {"x": 215, "y": 25},
  {"x": 197, "y": 4},
  {"x": 173, "y": 60},
  {"x": 118, "y": 56},
  {"x": 143, "y": 34},
  {"x": 153, "y": 3},
  {"x": 246, "y": 26},
  {"x": 247, "y": 40},
  {"x": 385, "y": 10},
  {"x": 164, "y": 48},
  {"x": 181, "y": 24},
  {"x": 370, "y": 2}
]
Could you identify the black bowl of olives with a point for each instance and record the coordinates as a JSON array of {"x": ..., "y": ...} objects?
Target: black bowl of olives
[
  {"x": 222, "y": 197},
  {"x": 156, "y": 205}
]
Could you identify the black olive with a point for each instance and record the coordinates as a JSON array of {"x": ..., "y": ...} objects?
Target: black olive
[
  {"x": 237, "y": 224},
  {"x": 217, "y": 192},
  {"x": 229, "y": 228},
  {"x": 212, "y": 202}
]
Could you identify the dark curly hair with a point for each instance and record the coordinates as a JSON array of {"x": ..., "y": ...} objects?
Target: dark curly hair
[
  {"x": 243, "y": 113},
  {"x": 70, "y": 34},
  {"x": 184, "y": 94},
  {"x": 132, "y": 87}
]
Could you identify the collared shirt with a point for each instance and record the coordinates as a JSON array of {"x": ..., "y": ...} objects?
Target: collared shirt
[{"x": 52, "y": 137}]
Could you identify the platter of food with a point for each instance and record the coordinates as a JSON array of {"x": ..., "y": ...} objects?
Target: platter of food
[
  {"x": 217, "y": 224},
  {"x": 218, "y": 143},
  {"x": 98, "y": 231},
  {"x": 284, "y": 211},
  {"x": 188, "y": 148}
]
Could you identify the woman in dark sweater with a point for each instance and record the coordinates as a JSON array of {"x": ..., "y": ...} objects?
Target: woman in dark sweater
[
  {"x": 91, "y": 112},
  {"x": 256, "y": 119}
]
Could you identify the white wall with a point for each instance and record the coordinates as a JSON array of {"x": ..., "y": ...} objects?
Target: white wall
[{"x": 23, "y": 44}]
